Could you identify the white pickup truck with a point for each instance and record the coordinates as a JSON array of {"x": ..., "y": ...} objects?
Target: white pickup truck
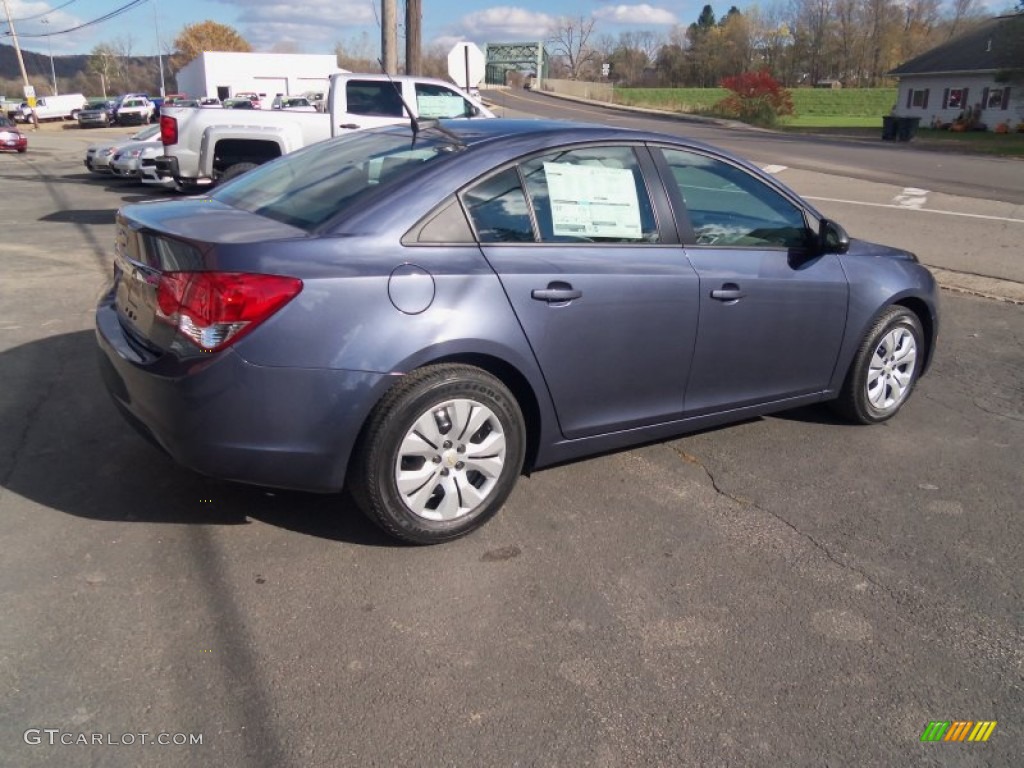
[{"x": 203, "y": 146}]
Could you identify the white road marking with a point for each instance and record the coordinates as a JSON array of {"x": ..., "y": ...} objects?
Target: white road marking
[
  {"x": 911, "y": 197},
  {"x": 774, "y": 168},
  {"x": 920, "y": 210}
]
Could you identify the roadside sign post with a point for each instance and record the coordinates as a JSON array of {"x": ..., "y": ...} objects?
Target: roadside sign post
[{"x": 466, "y": 65}]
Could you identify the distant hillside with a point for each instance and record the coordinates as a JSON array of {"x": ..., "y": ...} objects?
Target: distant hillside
[{"x": 142, "y": 74}]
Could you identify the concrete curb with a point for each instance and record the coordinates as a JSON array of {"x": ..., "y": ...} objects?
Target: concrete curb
[
  {"x": 978, "y": 285},
  {"x": 680, "y": 116}
]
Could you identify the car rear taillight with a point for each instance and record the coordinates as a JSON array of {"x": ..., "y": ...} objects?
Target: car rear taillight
[
  {"x": 168, "y": 130},
  {"x": 215, "y": 309}
]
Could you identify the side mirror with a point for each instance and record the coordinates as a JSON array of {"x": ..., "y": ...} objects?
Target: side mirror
[
  {"x": 832, "y": 238},
  {"x": 474, "y": 111}
]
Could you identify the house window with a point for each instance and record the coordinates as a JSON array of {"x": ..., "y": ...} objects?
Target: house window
[
  {"x": 918, "y": 98},
  {"x": 956, "y": 98},
  {"x": 995, "y": 99}
]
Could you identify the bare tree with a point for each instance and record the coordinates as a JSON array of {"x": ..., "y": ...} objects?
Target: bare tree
[
  {"x": 963, "y": 10},
  {"x": 570, "y": 39},
  {"x": 357, "y": 54},
  {"x": 121, "y": 47}
]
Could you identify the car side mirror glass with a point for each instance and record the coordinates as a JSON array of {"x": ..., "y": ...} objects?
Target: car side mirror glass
[
  {"x": 474, "y": 111},
  {"x": 832, "y": 238}
]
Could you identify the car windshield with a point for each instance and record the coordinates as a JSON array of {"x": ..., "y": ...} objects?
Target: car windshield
[
  {"x": 146, "y": 133},
  {"x": 309, "y": 187}
]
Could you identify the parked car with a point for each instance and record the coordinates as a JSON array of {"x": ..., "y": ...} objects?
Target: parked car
[
  {"x": 238, "y": 104},
  {"x": 422, "y": 315},
  {"x": 135, "y": 110},
  {"x": 253, "y": 97},
  {"x": 209, "y": 101},
  {"x": 126, "y": 162},
  {"x": 294, "y": 103},
  {"x": 11, "y": 139},
  {"x": 98, "y": 113},
  {"x": 203, "y": 147},
  {"x": 63, "y": 107},
  {"x": 98, "y": 156},
  {"x": 149, "y": 174},
  {"x": 316, "y": 98}
]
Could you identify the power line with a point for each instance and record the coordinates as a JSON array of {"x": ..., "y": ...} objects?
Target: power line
[
  {"x": 44, "y": 13},
  {"x": 106, "y": 17}
]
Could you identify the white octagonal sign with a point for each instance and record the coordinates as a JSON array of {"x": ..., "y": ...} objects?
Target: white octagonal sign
[{"x": 466, "y": 65}]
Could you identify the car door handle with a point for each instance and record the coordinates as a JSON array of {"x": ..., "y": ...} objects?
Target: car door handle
[
  {"x": 556, "y": 292},
  {"x": 728, "y": 292},
  {"x": 349, "y": 126}
]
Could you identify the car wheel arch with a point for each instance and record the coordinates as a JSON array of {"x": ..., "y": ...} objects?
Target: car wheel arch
[
  {"x": 535, "y": 415},
  {"x": 924, "y": 316}
]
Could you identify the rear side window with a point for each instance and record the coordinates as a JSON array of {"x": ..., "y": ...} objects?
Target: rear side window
[
  {"x": 374, "y": 98},
  {"x": 498, "y": 210},
  {"x": 732, "y": 208}
]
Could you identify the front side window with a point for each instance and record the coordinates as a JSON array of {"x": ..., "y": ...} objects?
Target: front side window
[
  {"x": 595, "y": 194},
  {"x": 730, "y": 207},
  {"x": 436, "y": 101},
  {"x": 375, "y": 98}
]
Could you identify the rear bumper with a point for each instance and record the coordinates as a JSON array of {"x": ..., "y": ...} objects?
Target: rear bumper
[{"x": 227, "y": 418}]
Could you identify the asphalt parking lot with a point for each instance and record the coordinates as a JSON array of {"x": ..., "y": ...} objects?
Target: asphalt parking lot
[{"x": 787, "y": 591}]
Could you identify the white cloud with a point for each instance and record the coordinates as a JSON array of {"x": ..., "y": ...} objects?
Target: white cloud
[
  {"x": 504, "y": 24},
  {"x": 635, "y": 15},
  {"x": 313, "y": 26}
]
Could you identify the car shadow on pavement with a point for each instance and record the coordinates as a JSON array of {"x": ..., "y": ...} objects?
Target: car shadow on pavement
[
  {"x": 82, "y": 216},
  {"x": 65, "y": 446}
]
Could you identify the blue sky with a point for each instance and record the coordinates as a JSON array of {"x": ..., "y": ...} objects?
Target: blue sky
[{"x": 314, "y": 26}]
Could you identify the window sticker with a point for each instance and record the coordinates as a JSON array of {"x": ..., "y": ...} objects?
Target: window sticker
[
  {"x": 592, "y": 201},
  {"x": 441, "y": 106}
]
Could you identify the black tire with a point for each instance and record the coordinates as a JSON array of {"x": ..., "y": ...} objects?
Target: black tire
[
  {"x": 236, "y": 170},
  {"x": 895, "y": 378},
  {"x": 432, "y": 392}
]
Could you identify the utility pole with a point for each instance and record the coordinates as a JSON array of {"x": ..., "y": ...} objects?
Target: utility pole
[
  {"x": 388, "y": 35},
  {"x": 53, "y": 72},
  {"x": 159, "y": 54},
  {"x": 21, "y": 62},
  {"x": 413, "y": 35}
]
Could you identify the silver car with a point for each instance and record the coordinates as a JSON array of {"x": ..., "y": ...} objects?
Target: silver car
[
  {"x": 98, "y": 156},
  {"x": 126, "y": 160}
]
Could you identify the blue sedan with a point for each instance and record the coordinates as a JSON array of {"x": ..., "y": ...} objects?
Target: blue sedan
[{"x": 426, "y": 312}]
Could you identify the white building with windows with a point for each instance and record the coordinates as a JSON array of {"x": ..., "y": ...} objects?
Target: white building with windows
[
  {"x": 223, "y": 74},
  {"x": 942, "y": 84}
]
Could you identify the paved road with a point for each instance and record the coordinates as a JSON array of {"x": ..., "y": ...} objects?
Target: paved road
[
  {"x": 933, "y": 204},
  {"x": 788, "y": 591},
  {"x": 986, "y": 178}
]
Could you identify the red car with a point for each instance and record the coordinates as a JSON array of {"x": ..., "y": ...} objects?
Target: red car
[{"x": 11, "y": 137}]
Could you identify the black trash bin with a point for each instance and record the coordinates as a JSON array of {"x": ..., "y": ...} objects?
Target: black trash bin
[
  {"x": 888, "y": 128},
  {"x": 906, "y": 127}
]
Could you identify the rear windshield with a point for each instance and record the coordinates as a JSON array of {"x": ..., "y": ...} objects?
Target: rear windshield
[{"x": 306, "y": 189}]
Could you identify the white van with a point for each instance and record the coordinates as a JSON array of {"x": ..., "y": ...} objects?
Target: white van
[{"x": 60, "y": 107}]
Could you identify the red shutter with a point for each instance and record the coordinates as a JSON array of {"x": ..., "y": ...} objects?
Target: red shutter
[
  {"x": 984, "y": 98},
  {"x": 925, "y": 104},
  {"x": 1006, "y": 98},
  {"x": 910, "y": 97},
  {"x": 945, "y": 98}
]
